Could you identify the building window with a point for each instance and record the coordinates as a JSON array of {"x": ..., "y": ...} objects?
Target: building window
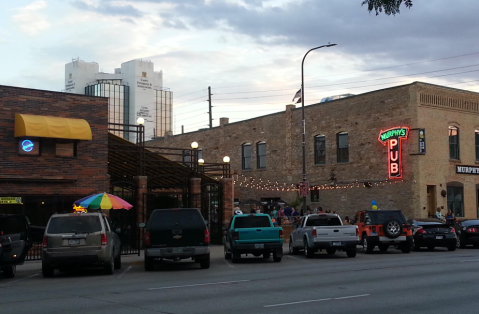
[
  {"x": 28, "y": 147},
  {"x": 246, "y": 156},
  {"x": 186, "y": 158},
  {"x": 319, "y": 150},
  {"x": 261, "y": 155},
  {"x": 455, "y": 200},
  {"x": 343, "y": 146},
  {"x": 477, "y": 145},
  {"x": 65, "y": 149},
  {"x": 453, "y": 142},
  {"x": 200, "y": 153},
  {"x": 314, "y": 196}
]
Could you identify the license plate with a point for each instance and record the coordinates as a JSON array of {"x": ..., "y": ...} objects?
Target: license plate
[
  {"x": 439, "y": 237},
  {"x": 74, "y": 242},
  {"x": 336, "y": 243},
  {"x": 177, "y": 250},
  {"x": 259, "y": 246},
  {"x": 374, "y": 233}
]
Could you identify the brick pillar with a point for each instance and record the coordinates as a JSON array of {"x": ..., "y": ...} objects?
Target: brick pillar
[
  {"x": 195, "y": 193},
  {"x": 228, "y": 199},
  {"x": 141, "y": 190}
]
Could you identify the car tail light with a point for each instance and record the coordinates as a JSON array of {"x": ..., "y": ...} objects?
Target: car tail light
[
  {"x": 104, "y": 242},
  {"x": 357, "y": 231},
  {"x": 207, "y": 236},
  {"x": 45, "y": 242},
  {"x": 314, "y": 233},
  {"x": 471, "y": 229},
  {"x": 236, "y": 235},
  {"x": 453, "y": 230},
  {"x": 421, "y": 231},
  {"x": 281, "y": 234},
  {"x": 147, "y": 239},
  {"x": 374, "y": 229}
]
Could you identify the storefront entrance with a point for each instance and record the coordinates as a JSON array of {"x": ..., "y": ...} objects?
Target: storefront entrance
[{"x": 455, "y": 200}]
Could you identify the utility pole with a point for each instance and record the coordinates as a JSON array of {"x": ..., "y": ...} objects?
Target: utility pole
[{"x": 209, "y": 107}]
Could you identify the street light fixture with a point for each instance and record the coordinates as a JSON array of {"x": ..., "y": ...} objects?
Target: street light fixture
[
  {"x": 226, "y": 159},
  {"x": 201, "y": 161},
  {"x": 194, "y": 145},
  {"x": 140, "y": 121},
  {"x": 303, "y": 121}
]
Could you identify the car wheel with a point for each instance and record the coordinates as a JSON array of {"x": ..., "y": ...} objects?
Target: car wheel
[
  {"x": 118, "y": 262},
  {"x": 205, "y": 262},
  {"x": 9, "y": 271},
  {"x": 351, "y": 252},
  {"x": 451, "y": 248},
  {"x": 227, "y": 255},
  {"x": 235, "y": 257},
  {"x": 149, "y": 263},
  {"x": 330, "y": 251},
  {"x": 110, "y": 266},
  {"x": 276, "y": 258},
  {"x": 383, "y": 247},
  {"x": 392, "y": 228},
  {"x": 292, "y": 249},
  {"x": 308, "y": 252},
  {"x": 406, "y": 247},
  {"x": 47, "y": 270},
  {"x": 367, "y": 247},
  {"x": 267, "y": 255}
]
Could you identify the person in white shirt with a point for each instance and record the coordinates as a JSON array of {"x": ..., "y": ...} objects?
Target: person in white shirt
[{"x": 438, "y": 214}]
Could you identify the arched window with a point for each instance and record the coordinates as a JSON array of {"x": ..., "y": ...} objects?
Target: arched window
[
  {"x": 319, "y": 150},
  {"x": 453, "y": 142},
  {"x": 246, "y": 156},
  {"x": 342, "y": 141},
  {"x": 261, "y": 155}
]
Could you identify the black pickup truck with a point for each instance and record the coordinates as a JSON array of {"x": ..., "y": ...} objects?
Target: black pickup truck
[
  {"x": 176, "y": 234},
  {"x": 14, "y": 243}
]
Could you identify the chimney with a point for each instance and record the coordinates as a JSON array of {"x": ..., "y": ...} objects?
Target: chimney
[{"x": 224, "y": 121}]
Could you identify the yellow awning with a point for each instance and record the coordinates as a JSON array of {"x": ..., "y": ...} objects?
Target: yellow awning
[{"x": 53, "y": 127}]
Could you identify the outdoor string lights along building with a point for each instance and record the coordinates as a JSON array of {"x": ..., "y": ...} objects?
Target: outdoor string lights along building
[
  {"x": 135, "y": 90},
  {"x": 413, "y": 147}
]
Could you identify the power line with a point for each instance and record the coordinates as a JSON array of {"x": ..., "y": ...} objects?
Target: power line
[
  {"x": 190, "y": 100},
  {"x": 190, "y": 93}
]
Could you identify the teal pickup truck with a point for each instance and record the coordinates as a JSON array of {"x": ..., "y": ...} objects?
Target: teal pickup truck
[{"x": 254, "y": 234}]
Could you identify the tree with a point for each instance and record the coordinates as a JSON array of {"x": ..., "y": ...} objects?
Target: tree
[{"x": 388, "y": 6}]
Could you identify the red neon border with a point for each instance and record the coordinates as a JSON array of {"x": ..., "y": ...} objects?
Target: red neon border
[{"x": 400, "y": 138}]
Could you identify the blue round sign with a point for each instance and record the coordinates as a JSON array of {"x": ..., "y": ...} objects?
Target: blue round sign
[{"x": 27, "y": 146}]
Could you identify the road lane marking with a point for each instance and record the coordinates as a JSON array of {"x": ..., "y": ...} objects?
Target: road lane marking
[
  {"x": 200, "y": 284},
  {"x": 124, "y": 272},
  {"x": 19, "y": 280},
  {"x": 302, "y": 260},
  {"x": 318, "y": 300},
  {"x": 231, "y": 266},
  {"x": 470, "y": 260}
]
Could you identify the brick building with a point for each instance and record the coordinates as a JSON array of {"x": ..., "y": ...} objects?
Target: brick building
[
  {"x": 53, "y": 150},
  {"x": 426, "y": 157}
]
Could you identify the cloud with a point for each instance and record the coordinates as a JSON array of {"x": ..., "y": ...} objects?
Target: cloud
[
  {"x": 109, "y": 8},
  {"x": 30, "y": 20}
]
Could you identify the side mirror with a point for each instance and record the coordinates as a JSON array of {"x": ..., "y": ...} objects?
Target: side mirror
[{"x": 142, "y": 225}]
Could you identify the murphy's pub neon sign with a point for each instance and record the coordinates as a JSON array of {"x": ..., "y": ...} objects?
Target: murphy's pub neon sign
[{"x": 393, "y": 138}]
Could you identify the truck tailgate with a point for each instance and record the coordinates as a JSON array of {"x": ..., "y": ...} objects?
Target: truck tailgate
[
  {"x": 336, "y": 233},
  {"x": 258, "y": 235}
]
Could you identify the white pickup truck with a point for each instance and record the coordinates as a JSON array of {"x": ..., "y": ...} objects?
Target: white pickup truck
[{"x": 323, "y": 231}]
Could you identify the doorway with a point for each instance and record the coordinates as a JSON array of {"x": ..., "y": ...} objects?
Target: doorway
[{"x": 431, "y": 200}]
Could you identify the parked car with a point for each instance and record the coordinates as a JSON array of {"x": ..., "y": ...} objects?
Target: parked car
[
  {"x": 14, "y": 243},
  {"x": 467, "y": 232},
  {"x": 176, "y": 234},
  {"x": 253, "y": 234},
  {"x": 383, "y": 228},
  {"x": 432, "y": 233},
  {"x": 323, "y": 231},
  {"x": 80, "y": 240}
]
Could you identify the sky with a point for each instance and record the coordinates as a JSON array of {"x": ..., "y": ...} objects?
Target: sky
[{"x": 249, "y": 52}]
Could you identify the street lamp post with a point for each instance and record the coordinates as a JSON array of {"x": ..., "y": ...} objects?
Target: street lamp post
[{"x": 303, "y": 120}]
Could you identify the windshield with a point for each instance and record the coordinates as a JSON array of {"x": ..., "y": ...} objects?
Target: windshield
[
  {"x": 252, "y": 222},
  {"x": 74, "y": 224},
  {"x": 323, "y": 221},
  {"x": 470, "y": 222},
  {"x": 380, "y": 217},
  {"x": 171, "y": 219}
]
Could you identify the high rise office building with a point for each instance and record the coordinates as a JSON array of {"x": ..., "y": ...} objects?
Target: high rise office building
[{"x": 135, "y": 90}]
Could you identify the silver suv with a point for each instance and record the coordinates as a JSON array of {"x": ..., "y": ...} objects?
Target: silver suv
[{"x": 80, "y": 239}]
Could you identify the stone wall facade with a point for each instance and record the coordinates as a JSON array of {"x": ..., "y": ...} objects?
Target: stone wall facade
[{"x": 351, "y": 186}]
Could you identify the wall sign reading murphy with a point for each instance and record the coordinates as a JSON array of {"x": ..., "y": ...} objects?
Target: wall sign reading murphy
[{"x": 467, "y": 170}]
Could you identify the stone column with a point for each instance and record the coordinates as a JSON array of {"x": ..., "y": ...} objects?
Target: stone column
[
  {"x": 228, "y": 199},
  {"x": 195, "y": 193}
]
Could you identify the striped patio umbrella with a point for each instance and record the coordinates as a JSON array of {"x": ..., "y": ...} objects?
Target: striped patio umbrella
[{"x": 103, "y": 201}]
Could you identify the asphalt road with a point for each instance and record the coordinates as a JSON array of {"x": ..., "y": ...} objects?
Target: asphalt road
[{"x": 392, "y": 282}]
